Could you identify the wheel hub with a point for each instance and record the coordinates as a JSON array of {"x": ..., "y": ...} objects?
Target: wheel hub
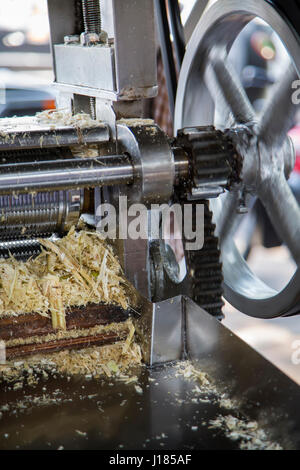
[{"x": 261, "y": 159}]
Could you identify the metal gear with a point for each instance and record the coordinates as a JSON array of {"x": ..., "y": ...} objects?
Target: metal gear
[{"x": 215, "y": 164}]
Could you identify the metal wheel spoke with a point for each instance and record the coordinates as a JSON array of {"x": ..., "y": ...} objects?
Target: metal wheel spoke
[
  {"x": 227, "y": 91},
  {"x": 284, "y": 212},
  {"x": 278, "y": 116}
]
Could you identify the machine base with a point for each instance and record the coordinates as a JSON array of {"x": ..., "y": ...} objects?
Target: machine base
[{"x": 164, "y": 411}]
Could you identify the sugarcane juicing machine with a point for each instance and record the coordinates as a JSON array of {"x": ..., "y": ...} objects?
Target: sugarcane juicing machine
[{"x": 222, "y": 155}]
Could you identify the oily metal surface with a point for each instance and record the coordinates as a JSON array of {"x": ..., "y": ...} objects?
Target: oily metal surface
[
  {"x": 141, "y": 423},
  {"x": 106, "y": 414}
]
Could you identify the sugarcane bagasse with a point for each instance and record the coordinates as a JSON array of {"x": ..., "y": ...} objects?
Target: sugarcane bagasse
[{"x": 71, "y": 296}]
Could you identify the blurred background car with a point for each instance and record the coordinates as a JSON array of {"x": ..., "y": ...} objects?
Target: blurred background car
[
  {"x": 25, "y": 59},
  {"x": 21, "y": 95}
]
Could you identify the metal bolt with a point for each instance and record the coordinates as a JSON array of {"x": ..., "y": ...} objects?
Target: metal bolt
[
  {"x": 242, "y": 207},
  {"x": 89, "y": 39},
  {"x": 72, "y": 39},
  {"x": 104, "y": 37},
  {"x": 242, "y": 210}
]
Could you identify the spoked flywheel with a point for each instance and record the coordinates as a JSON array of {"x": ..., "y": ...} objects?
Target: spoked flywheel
[{"x": 211, "y": 93}]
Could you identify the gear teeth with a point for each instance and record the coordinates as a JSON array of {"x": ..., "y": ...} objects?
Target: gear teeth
[
  {"x": 205, "y": 269},
  {"x": 214, "y": 161},
  {"x": 215, "y": 166}
]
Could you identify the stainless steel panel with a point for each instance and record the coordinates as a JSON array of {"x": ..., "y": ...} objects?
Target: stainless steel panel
[
  {"x": 135, "y": 46},
  {"x": 91, "y": 67},
  {"x": 90, "y": 70}
]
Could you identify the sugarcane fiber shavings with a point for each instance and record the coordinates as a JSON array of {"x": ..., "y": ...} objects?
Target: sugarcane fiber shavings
[{"x": 76, "y": 270}]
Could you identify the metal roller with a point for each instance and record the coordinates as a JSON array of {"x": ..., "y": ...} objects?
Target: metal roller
[
  {"x": 66, "y": 174},
  {"x": 39, "y": 214}
]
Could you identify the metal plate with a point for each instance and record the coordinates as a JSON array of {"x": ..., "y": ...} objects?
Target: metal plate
[{"x": 73, "y": 62}]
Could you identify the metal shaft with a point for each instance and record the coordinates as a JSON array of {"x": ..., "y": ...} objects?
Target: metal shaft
[
  {"x": 39, "y": 213},
  {"x": 78, "y": 173},
  {"x": 65, "y": 174}
]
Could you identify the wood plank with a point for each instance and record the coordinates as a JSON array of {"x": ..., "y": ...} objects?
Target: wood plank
[
  {"x": 25, "y": 326},
  {"x": 61, "y": 344}
]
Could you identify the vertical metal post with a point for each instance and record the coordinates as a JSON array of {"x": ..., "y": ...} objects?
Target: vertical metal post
[
  {"x": 177, "y": 30},
  {"x": 167, "y": 52}
]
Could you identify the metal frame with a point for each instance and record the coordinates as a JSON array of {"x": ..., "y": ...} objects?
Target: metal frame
[{"x": 127, "y": 59}]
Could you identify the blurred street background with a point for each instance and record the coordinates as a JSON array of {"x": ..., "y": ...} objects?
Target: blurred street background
[{"x": 25, "y": 59}]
